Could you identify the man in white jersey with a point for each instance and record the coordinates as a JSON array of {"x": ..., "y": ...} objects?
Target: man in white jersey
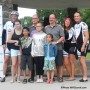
[
  {"x": 9, "y": 25},
  {"x": 82, "y": 36}
]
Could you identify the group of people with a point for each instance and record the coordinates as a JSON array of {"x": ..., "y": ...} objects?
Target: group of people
[{"x": 44, "y": 48}]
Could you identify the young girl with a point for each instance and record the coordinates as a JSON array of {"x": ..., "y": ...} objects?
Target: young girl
[
  {"x": 69, "y": 48},
  {"x": 37, "y": 51},
  {"x": 14, "y": 37},
  {"x": 50, "y": 51}
]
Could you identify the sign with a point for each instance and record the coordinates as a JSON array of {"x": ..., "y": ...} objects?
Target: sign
[{"x": 1, "y": 49}]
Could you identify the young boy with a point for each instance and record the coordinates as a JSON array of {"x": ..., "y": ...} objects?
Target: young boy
[{"x": 26, "y": 54}]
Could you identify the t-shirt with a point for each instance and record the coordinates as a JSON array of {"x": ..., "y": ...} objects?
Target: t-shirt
[
  {"x": 57, "y": 32},
  {"x": 26, "y": 45},
  {"x": 32, "y": 30}
]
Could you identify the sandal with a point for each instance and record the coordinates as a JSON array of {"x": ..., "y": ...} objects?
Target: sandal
[
  {"x": 51, "y": 81},
  {"x": 60, "y": 79},
  {"x": 48, "y": 81},
  {"x": 24, "y": 81},
  {"x": 70, "y": 79},
  {"x": 83, "y": 80}
]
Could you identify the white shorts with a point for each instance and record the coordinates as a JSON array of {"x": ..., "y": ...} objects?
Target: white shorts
[
  {"x": 15, "y": 52},
  {"x": 78, "y": 53},
  {"x": 65, "y": 53},
  {"x": 7, "y": 52}
]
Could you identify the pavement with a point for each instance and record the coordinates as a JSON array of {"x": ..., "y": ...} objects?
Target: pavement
[{"x": 66, "y": 85}]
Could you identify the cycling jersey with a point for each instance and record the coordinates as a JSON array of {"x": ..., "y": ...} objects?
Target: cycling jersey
[
  {"x": 78, "y": 31},
  {"x": 6, "y": 31},
  {"x": 8, "y": 27}
]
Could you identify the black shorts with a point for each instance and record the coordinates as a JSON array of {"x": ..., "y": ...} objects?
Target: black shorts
[
  {"x": 70, "y": 48},
  {"x": 59, "y": 58},
  {"x": 26, "y": 60},
  {"x": 79, "y": 53}
]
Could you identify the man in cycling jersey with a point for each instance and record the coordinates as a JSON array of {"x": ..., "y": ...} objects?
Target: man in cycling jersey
[
  {"x": 82, "y": 36},
  {"x": 9, "y": 25}
]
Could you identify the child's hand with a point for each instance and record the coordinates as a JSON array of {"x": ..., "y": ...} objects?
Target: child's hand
[
  {"x": 54, "y": 43},
  {"x": 4, "y": 47},
  {"x": 16, "y": 43}
]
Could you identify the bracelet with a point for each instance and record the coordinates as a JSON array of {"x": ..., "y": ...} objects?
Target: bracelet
[{"x": 57, "y": 42}]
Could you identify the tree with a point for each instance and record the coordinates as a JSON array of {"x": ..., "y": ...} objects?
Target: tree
[
  {"x": 60, "y": 14},
  {"x": 86, "y": 16},
  {"x": 26, "y": 21}
]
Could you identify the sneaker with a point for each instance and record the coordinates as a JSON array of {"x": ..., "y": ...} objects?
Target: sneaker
[
  {"x": 24, "y": 81},
  {"x": 41, "y": 80},
  {"x": 3, "y": 79},
  {"x": 38, "y": 80},
  {"x": 30, "y": 80},
  {"x": 12, "y": 81},
  {"x": 83, "y": 80},
  {"x": 18, "y": 81}
]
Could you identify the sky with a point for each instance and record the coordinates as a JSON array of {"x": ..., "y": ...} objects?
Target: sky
[{"x": 26, "y": 12}]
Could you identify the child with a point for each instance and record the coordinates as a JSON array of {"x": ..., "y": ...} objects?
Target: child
[
  {"x": 26, "y": 54},
  {"x": 38, "y": 42},
  {"x": 49, "y": 60}
]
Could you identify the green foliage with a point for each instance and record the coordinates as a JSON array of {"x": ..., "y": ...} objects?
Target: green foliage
[
  {"x": 86, "y": 15},
  {"x": 60, "y": 14},
  {"x": 26, "y": 21},
  {"x": 86, "y": 18},
  {"x": 88, "y": 56}
]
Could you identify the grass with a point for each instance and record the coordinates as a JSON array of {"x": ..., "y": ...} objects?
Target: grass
[{"x": 88, "y": 56}]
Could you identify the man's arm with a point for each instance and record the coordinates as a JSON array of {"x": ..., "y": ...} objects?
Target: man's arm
[
  {"x": 4, "y": 37},
  {"x": 86, "y": 34},
  {"x": 55, "y": 50},
  {"x": 60, "y": 40},
  {"x": 62, "y": 36},
  {"x": 10, "y": 36}
]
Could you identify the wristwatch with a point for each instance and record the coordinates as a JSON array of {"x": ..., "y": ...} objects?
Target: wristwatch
[{"x": 57, "y": 42}]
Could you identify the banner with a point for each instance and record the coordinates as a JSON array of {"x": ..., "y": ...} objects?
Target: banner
[{"x": 1, "y": 49}]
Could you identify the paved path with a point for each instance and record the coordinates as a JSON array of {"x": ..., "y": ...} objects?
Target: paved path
[{"x": 66, "y": 85}]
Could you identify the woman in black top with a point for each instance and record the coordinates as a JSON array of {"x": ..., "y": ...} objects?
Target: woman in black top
[
  {"x": 15, "y": 50},
  {"x": 69, "y": 48}
]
